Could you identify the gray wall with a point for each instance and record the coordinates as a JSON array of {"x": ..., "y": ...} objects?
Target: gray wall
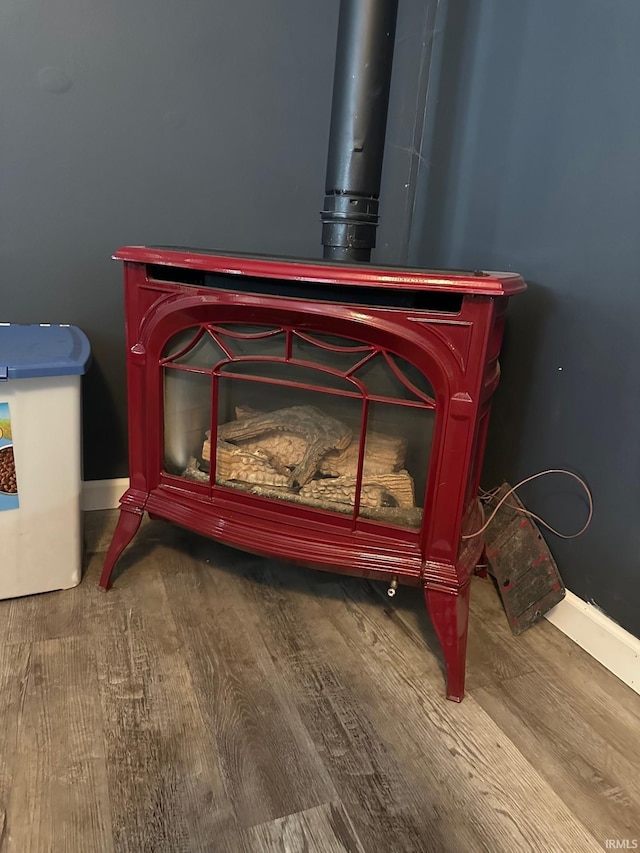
[
  {"x": 535, "y": 167},
  {"x": 202, "y": 124}
]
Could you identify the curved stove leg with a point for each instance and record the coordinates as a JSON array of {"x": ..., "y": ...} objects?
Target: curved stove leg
[
  {"x": 449, "y": 612},
  {"x": 126, "y": 528}
]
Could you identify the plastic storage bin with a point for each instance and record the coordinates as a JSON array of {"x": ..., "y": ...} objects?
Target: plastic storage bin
[{"x": 40, "y": 457}]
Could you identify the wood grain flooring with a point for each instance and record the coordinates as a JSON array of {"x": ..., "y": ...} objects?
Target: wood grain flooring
[{"x": 215, "y": 702}]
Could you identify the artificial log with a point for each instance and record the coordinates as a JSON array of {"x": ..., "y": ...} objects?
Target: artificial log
[
  {"x": 284, "y": 448},
  {"x": 403, "y": 516},
  {"x": 343, "y": 491},
  {"x": 237, "y": 463},
  {"x": 274, "y": 451},
  {"x": 381, "y": 490},
  {"x": 320, "y": 432},
  {"x": 287, "y": 448},
  {"x": 383, "y": 454}
]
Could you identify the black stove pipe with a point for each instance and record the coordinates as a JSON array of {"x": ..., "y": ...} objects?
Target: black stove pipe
[{"x": 366, "y": 33}]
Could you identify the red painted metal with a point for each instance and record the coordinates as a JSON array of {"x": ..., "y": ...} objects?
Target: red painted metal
[
  {"x": 455, "y": 350},
  {"x": 403, "y": 278}
]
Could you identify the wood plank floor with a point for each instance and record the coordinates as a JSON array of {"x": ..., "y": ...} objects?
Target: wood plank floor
[{"x": 215, "y": 701}]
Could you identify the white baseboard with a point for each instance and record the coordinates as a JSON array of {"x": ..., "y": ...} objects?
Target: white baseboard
[
  {"x": 616, "y": 649},
  {"x": 612, "y": 646},
  {"x": 102, "y": 494}
]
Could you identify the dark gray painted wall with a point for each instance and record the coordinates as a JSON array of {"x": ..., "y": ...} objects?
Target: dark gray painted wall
[
  {"x": 156, "y": 123},
  {"x": 535, "y": 167},
  {"x": 201, "y": 123}
]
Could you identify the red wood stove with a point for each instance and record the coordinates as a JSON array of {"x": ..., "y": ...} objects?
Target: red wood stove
[{"x": 331, "y": 415}]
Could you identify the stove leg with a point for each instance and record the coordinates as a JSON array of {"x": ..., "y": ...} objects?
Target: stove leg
[
  {"x": 126, "y": 529},
  {"x": 449, "y": 614}
]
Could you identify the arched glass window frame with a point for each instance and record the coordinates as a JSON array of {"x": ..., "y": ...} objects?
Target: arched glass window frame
[{"x": 370, "y": 351}]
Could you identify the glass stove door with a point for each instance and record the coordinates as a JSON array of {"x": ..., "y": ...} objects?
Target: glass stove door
[{"x": 313, "y": 419}]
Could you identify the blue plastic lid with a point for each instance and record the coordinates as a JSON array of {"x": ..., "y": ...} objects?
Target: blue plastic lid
[{"x": 42, "y": 350}]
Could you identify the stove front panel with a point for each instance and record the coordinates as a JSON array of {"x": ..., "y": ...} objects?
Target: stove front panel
[{"x": 395, "y": 392}]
